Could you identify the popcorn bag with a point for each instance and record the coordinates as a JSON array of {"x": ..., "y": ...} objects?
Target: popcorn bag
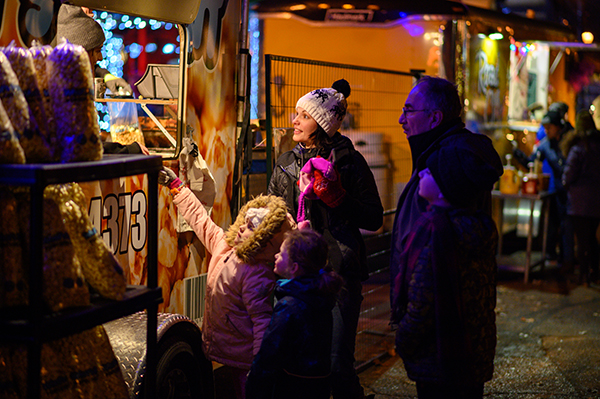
[
  {"x": 100, "y": 268},
  {"x": 17, "y": 109},
  {"x": 194, "y": 173},
  {"x": 63, "y": 285},
  {"x": 124, "y": 123},
  {"x": 39, "y": 55},
  {"x": 111, "y": 382},
  {"x": 14, "y": 287},
  {"x": 9, "y": 384},
  {"x": 71, "y": 91},
  {"x": 10, "y": 148},
  {"x": 21, "y": 62}
]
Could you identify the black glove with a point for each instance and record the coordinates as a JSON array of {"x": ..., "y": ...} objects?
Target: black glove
[
  {"x": 166, "y": 176},
  {"x": 118, "y": 86}
]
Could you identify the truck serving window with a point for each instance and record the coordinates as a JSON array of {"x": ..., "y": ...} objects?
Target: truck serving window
[{"x": 151, "y": 56}]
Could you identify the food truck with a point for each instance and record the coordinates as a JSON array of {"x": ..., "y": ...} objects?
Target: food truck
[{"x": 196, "y": 107}]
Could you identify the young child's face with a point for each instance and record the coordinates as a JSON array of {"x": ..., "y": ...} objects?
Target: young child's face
[
  {"x": 304, "y": 126},
  {"x": 245, "y": 231},
  {"x": 284, "y": 266},
  {"x": 428, "y": 188}
]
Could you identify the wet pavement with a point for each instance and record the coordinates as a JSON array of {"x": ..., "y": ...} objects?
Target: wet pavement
[{"x": 548, "y": 343}]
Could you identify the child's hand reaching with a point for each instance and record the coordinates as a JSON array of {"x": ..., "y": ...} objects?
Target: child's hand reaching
[{"x": 168, "y": 178}]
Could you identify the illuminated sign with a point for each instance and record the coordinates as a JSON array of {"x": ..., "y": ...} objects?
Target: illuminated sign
[{"x": 340, "y": 15}]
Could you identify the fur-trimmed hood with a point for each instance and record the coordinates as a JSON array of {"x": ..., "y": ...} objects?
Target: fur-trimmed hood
[{"x": 268, "y": 228}]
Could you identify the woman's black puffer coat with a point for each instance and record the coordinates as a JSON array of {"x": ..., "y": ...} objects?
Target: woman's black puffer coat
[{"x": 361, "y": 208}]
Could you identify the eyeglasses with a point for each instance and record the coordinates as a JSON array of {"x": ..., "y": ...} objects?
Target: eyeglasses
[{"x": 408, "y": 110}]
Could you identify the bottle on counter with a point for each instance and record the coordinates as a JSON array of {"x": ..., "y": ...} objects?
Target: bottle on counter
[
  {"x": 510, "y": 181},
  {"x": 530, "y": 180}
]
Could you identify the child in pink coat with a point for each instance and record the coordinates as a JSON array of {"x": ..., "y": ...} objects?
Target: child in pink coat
[{"x": 240, "y": 277}]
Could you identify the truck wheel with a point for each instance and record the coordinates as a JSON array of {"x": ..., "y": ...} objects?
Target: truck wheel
[
  {"x": 177, "y": 371},
  {"x": 182, "y": 370}
]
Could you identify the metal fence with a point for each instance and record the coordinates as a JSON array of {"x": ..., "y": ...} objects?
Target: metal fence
[{"x": 374, "y": 107}]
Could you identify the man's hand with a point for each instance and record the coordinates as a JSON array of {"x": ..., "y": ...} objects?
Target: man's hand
[{"x": 118, "y": 86}]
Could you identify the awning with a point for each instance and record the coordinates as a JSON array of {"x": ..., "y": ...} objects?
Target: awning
[{"x": 387, "y": 12}]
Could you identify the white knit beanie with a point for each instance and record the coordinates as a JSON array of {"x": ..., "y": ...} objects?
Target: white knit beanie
[
  {"x": 78, "y": 28},
  {"x": 327, "y": 106}
]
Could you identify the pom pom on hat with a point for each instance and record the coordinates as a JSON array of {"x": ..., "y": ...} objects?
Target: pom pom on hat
[
  {"x": 461, "y": 174},
  {"x": 327, "y": 106},
  {"x": 79, "y": 28}
]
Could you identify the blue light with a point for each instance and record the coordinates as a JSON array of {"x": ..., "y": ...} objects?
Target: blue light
[
  {"x": 151, "y": 47},
  {"x": 137, "y": 20},
  {"x": 168, "y": 26},
  {"x": 135, "y": 50},
  {"x": 125, "y": 18},
  {"x": 403, "y": 15},
  {"x": 253, "y": 27},
  {"x": 141, "y": 25},
  {"x": 168, "y": 48},
  {"x": 414, "y": 30},
  {"x": 128, "y": 24}
]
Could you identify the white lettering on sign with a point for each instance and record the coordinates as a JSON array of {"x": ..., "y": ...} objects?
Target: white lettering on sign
[
  {"x": 125, "y": 220},
  {"x": 488, "y": 84},
  {"x": 488, "y": 78},
  {"x": 341, "y": 15}
]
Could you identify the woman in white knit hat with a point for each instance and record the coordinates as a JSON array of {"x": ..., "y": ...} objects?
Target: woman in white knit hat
[{"x": 329, "y": 186}]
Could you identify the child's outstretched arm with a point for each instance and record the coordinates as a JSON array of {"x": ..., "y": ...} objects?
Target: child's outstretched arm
[{"x": 192, "y": 210}]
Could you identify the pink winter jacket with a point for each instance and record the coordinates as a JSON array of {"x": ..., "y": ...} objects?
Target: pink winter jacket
[{"x": 238, "y": 295}]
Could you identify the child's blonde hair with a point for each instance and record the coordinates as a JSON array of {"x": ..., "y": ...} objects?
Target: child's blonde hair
[{"x": 270, "y": 226}]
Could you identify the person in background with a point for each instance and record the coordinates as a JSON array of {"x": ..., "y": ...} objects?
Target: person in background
[
  {"x": 240, "y": 280},
  {"x": 562, "y": 110},
  {"x": 78, "y": 27},
  {"x": 346, "y": 200},
  {"x": 548, "y": 149},
  {"x": 445, "y": 295},
  {"x": 431, "y": 119},
  {"x": 581, "y": 179},
  {"x": 294, "y": 359}
]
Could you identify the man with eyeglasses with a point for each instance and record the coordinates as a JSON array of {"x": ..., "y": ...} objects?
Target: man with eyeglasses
[{"x": 431, "y": 119}]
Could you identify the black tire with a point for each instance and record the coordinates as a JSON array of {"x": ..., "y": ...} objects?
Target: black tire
[{"x": 181, "y": 371}]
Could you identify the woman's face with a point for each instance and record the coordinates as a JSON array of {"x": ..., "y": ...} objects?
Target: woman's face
[{"x": 304, "y": 126}]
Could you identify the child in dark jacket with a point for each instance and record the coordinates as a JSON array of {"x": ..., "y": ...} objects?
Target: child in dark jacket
[
  {"x": 446, "y": 293},
  {"x": 294, "y": 360}
]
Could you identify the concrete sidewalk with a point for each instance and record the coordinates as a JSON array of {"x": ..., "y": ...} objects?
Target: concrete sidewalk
[{"x": 548, "y": 346}]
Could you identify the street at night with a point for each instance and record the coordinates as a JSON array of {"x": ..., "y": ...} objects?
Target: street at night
[{"x": 548, "y": 345}]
